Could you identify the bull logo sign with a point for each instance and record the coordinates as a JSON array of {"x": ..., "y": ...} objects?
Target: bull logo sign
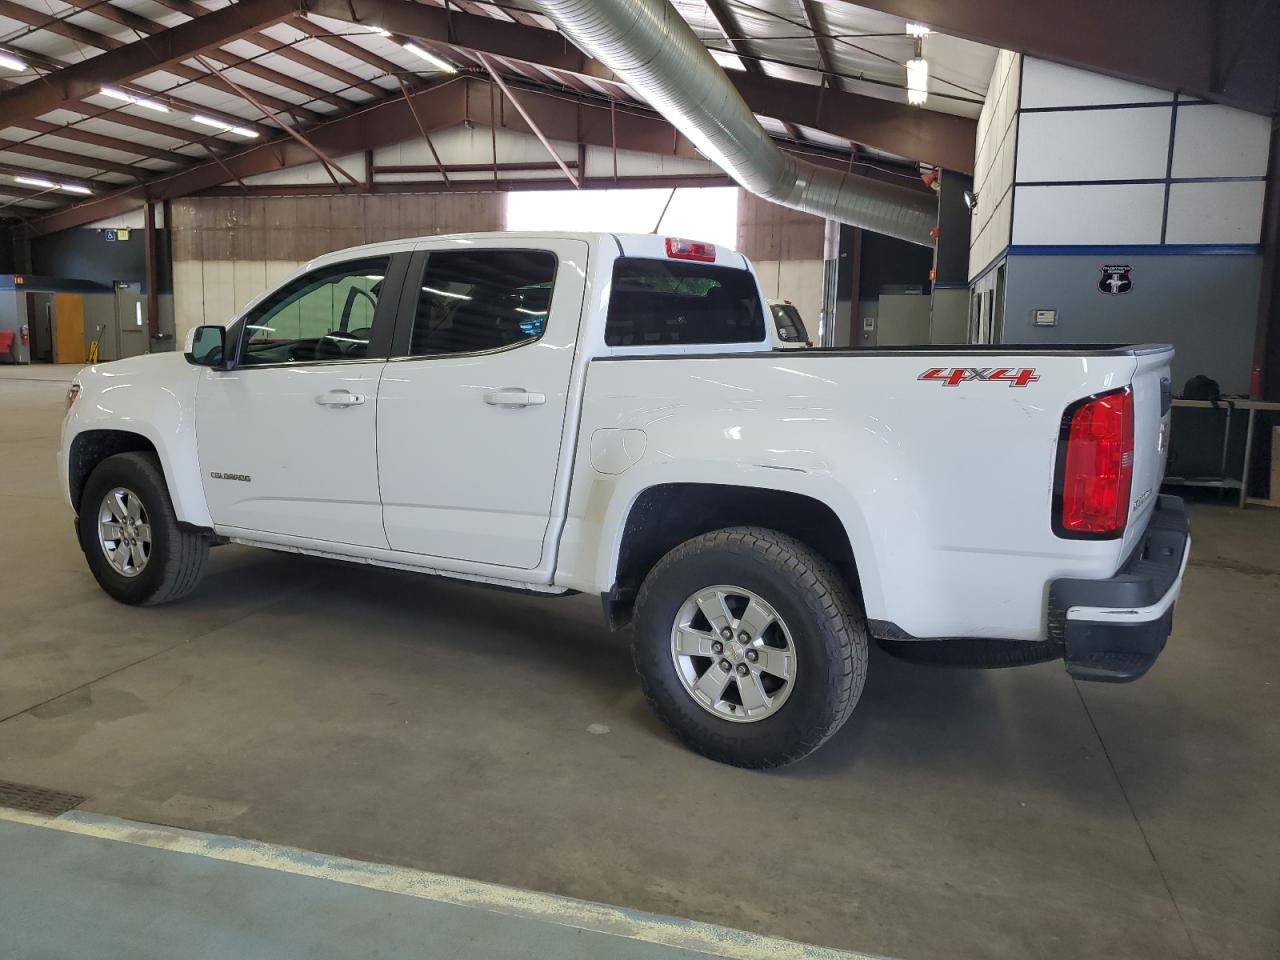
[{"x": 1117, "y": 278}]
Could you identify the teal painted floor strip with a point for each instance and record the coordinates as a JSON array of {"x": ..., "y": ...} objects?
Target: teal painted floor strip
[{"x": 87, "y": 886}]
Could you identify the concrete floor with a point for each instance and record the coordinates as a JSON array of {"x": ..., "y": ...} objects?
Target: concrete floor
[{"x": 488, "y": 735}]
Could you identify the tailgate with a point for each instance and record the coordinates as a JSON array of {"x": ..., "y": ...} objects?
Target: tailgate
[{"x": 1152, "y": 399}]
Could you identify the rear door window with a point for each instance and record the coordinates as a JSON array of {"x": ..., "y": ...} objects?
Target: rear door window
[
  {"x": 477, "y": 300},
  {"x": 667, "y": 302}
]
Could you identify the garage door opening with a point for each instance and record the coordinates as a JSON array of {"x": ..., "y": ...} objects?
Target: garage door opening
[{"x": 699, "y": 213}]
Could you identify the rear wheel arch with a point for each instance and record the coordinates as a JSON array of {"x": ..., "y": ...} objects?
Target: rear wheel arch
[{"x": 666, "y": 515}]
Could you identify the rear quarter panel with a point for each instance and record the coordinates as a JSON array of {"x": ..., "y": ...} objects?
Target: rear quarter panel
[{"x": 944, "y": 491}]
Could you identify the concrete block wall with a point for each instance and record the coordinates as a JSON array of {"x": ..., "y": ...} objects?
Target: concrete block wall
[{"x": 786, "y": 247}]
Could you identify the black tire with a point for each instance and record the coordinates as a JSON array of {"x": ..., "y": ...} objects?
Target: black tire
[
  {"x": 827, "y": 628},
  {"x": 177, "y": 557},
  {"x": 974, "y": 652}
]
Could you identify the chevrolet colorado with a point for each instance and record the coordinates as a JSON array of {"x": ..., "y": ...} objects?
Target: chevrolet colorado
[{"x": 610, "y": 414}]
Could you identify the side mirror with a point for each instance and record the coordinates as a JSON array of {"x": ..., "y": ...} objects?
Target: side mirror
[{"x": 206, "y": 346}]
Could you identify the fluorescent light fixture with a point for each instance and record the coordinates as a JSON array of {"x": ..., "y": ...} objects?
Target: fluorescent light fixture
[
  {"x": 379, "y": 31},
  {"x": 75, "y": 188},
  {"x": 431, "y": 58},
  {"x": 223, "y": 126},
  {"x": 446, "y": 293},
  {"x": 35, "y": 182},
  {"x": 917, "y": 81},
  {"x": 917, "y": 30},
  {"x": 10, "y": 62},
  {"x": 116, "y": 94}
]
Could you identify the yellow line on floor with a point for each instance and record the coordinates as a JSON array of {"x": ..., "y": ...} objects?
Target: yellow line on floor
[{"x": 546, "y": 908}]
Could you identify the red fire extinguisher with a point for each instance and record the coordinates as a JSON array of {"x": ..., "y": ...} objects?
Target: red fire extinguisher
[{"x": 25, "y": 334}]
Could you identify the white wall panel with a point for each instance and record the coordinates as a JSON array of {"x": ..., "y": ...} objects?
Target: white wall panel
[
  {"x": 1094, "y": 144},
  {"x": 1102, "y": 214},
  {"x": 1227, "y": 212},
  {"x": 218, "y": 290},
  {"x": 994, "y": 162},
  {"x": 1053, "y": 85},
  {"x": 1216, "y": 141},
  {"x": 800, "y": 281},
  {"x": 188, "y": 298}
]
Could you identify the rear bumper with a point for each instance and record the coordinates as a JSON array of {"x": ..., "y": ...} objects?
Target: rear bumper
[{"x": 1112, "y": 630}]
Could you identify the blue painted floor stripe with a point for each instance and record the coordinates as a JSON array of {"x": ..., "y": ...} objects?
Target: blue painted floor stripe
[{"x": 82, "y": 885}]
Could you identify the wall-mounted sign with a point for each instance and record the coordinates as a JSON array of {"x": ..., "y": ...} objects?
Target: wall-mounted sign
[
  {"x": 109, "y": 236},
  {"x": 1046, "y": 318},
  {"x": 868, "y": 324},
  {"x": 1117, "y": 278}
]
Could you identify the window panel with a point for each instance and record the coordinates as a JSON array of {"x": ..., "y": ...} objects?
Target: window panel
[
  {"x": 326, "y": 314},
  {"x": 475, "y": 300},
  {"x": 655, "y": 302}
]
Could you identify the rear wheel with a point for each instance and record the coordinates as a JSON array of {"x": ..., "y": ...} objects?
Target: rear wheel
[
  {"x": 130, "y": 535},
  {"x": 749, "y": 646}
]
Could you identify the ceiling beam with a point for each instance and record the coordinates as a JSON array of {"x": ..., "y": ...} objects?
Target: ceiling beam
[
  {"x": 161, "y": 51},
  {"x": 926, "y": 135},
  {"x": 487, "y": 184},
  {"x": 728, "y": 25},
  {"x": 73, "y": 159},
  {"x": 1226, "y": 50},
  {"x": 257, "y": 38},
  {"x": 384, "y": 124},
  {"x": 97, "y": 41},
  {"x": 446, "y": 104},
  {"x": 821, "y": 42}
]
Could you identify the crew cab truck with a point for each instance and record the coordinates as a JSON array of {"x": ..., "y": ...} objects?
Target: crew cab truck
[{"x": 609, "y": 414}]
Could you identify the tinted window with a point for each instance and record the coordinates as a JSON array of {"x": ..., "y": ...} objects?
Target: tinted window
[
  {"x": 675, "y": 301},
  {"x": 481, "y": 300},
  {"x": 790, "y": 326},
  {"x": 326, "y": 314}
]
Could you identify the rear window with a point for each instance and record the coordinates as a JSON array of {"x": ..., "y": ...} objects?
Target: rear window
[{"x": 660, "y": 302}]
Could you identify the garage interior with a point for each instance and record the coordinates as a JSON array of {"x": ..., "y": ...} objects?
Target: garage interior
[{"x": 307, "y": 758}]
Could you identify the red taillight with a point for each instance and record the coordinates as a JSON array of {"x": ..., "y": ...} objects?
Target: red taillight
[
  {"x": 691, "y": 250},
  {"x": 1095, "y": 467}
]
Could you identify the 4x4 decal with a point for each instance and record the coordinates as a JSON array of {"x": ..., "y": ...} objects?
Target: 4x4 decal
[{"x": 954, "y": 376}]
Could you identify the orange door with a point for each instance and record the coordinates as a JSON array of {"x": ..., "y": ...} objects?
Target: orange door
[{"x": 68, "y": 322}]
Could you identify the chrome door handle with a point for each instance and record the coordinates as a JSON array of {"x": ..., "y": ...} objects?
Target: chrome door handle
[
  {"x": 340, "y": 399},
  {"x": 514, "y": 398}
]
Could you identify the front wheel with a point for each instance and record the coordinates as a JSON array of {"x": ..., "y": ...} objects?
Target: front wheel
[
  {"x": 749, "y": 646},
  {"x": 130, "y": 534}
]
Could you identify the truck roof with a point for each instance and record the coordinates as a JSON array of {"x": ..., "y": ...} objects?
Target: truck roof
[{"x": 624, "y": 244}]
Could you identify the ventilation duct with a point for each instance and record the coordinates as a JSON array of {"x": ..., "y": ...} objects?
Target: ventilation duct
[{"x": 650, "y": 46}]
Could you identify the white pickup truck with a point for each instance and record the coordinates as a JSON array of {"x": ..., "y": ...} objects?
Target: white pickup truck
[{"x": 610, "y": 414}]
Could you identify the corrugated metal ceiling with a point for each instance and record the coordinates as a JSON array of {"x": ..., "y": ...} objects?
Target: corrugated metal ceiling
[{"x": 317, "y": 68}]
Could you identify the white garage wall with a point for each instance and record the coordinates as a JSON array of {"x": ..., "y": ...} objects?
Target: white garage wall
[
  {"x": 1106, "y": 162},
  {"x": 997, "y": 138}
]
